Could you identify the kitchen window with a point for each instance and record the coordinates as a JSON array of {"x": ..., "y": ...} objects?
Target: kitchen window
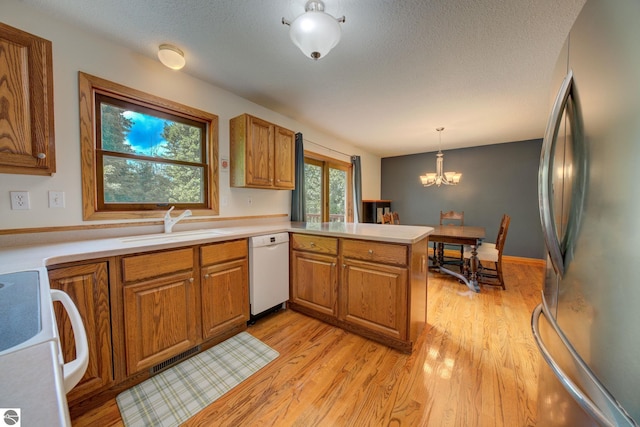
[
  {"x": 328, "y": 189},
  {"x": 142, "y": 153}
]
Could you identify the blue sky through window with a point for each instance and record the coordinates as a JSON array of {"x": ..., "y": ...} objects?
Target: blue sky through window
[{"x": 146, "y": 133}]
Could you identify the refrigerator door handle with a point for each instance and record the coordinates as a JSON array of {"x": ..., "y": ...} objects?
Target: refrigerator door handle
[
  {"x": 545, "y": 183},
  {"x": 581, "y": 398}
]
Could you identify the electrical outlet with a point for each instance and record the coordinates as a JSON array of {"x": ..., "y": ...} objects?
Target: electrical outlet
[
  {"x": 19, "y": 200},
  {"x": 56, "y": 199}
]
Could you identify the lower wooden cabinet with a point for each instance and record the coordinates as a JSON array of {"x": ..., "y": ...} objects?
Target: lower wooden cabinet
[
  {"x": 88, "y": 287},
  {"x": 224, "y": 287},
  {"x": 374, "y": 296},
  {"x": 150, "y": 310},
  {"x": 375, "y": 289},
  {"x": 159, "y": 305},
  {"x": 178, "y": 299},
  {"x": 314, "y": 274},
  {"x": 160, "y": 319},
  {"x": 315, "y": 282}
]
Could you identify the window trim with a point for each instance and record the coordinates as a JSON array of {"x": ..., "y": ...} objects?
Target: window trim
[
  {"x": 328, "y": 162},
  {"x": 89, "y": 86}
]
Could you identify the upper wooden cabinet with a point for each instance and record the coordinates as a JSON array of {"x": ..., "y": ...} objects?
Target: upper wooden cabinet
[
  {"x": 26, "y": 98},
  {"x": 262, "y": 154}
]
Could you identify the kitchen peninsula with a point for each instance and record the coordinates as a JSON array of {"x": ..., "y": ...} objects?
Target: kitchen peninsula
[{"x": 369, "y": 279}]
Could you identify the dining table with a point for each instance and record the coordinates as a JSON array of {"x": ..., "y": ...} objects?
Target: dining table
[{"x": 459, "y": 235}]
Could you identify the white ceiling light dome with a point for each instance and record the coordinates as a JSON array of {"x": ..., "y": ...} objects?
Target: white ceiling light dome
[
  {"x": 315, "y": 32},
  {"x": 171, "y": 56}
]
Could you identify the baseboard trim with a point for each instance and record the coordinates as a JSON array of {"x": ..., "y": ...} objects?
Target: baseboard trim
[{"x": 522, "y": 260}]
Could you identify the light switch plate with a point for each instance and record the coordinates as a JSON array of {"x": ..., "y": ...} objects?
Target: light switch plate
[
  {"x": 20, "y": 200},
  {"x": 56, "y": 199}
]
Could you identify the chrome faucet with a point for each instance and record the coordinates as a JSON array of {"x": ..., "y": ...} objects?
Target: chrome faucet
[{"x": 170, "y": 222}]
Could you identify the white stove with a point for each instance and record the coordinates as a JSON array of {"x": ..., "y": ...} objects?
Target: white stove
[{"x": 33, "y": 376}]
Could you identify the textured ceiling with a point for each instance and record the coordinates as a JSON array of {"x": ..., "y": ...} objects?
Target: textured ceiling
[{"x": 479, "y": 68}]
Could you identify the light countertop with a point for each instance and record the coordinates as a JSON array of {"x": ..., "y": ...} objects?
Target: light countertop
[{"x": 34, "y": 256}]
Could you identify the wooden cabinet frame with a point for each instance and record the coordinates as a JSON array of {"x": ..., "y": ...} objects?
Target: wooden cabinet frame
[{"x": 26, "y": 70}]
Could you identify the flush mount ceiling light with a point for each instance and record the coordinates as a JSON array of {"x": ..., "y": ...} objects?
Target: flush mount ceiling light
[
  {"x": 439, "y": 178},
  {"x": 315, "y": 32},
  {"x": 171, "y": 56}
]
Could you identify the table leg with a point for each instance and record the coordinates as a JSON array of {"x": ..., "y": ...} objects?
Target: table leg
[
  {"x": 474, "y": 267},
  {"x": 472, "y": 279},
  {"x": 440, "y": 255}
]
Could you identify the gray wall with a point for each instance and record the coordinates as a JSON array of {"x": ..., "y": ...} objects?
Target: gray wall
[{"x": 496, "y": 179}]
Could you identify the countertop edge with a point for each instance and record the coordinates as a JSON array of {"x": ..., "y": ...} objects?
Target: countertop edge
[{"x": 37, "y": 256}]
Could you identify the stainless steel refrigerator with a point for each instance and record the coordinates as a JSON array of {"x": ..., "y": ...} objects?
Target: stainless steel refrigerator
[{"x": 587, "y": 326}]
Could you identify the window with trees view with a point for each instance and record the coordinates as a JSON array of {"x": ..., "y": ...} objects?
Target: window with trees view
[
  {"x": 149, "y": 153},
  {"x": 327, "y": 189}
]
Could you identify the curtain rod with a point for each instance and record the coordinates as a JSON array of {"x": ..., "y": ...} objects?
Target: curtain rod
[{"x": 327, "y": 148}]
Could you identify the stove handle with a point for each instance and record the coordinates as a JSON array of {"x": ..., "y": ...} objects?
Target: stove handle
[{"x": 74, "y": 370}]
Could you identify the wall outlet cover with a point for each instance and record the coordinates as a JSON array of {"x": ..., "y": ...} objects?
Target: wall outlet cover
[{"x": 20, "y": 200}]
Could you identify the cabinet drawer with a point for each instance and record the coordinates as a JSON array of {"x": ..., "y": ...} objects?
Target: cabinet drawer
[
  {"x": 365, "y": 250},
  {"x": 221, "y": 252},
  {"x": 156, "y": 264},
  {"x": 319, "y": 244}
]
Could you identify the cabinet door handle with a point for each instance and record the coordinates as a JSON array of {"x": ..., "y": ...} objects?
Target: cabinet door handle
[
  {"x": 344, "y": 265},
  {"x": 41, "y": 156},
  {"x": 313, "y": 245},
  {"x": 191, "y": 280},
  {"x": 370, "y": 251},
  {"x": 206, "y": 276}
]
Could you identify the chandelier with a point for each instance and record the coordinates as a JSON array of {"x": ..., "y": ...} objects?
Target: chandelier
[
  {"x": 315, "y": 32},
  {"x": 438, "y": 178}
]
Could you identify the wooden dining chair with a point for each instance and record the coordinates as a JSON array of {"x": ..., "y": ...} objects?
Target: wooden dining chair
[
  {"x": 395, "y": 218},
  {"x": 490, "y": 253},
  {"x": 451, "y": 218},
  {"x": 387, "y": 218}
]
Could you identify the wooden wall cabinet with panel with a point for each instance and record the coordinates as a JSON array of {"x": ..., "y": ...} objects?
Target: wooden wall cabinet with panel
[
  {"x": 160, "y": 306},
  {"x": 262, "y": 154},
  {"x": 27, "y": 144},
  {"x": 380, "y": 291},
  {"x": 224, "y": 287},
  {"x": 314, "y": 274},
  {"x": 88, "y": 287}
]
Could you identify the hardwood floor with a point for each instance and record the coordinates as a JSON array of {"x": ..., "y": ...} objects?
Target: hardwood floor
[{"x": 475, "y": 365}]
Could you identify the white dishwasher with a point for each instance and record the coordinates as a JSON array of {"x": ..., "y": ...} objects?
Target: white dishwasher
[{"x": 268, "y": 273}]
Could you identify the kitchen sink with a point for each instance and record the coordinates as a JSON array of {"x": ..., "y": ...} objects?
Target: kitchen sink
[{"x": 177, "y": 237}]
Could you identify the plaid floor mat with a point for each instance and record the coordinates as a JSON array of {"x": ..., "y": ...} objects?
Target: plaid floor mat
[{"x": 174, "y": 395}]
